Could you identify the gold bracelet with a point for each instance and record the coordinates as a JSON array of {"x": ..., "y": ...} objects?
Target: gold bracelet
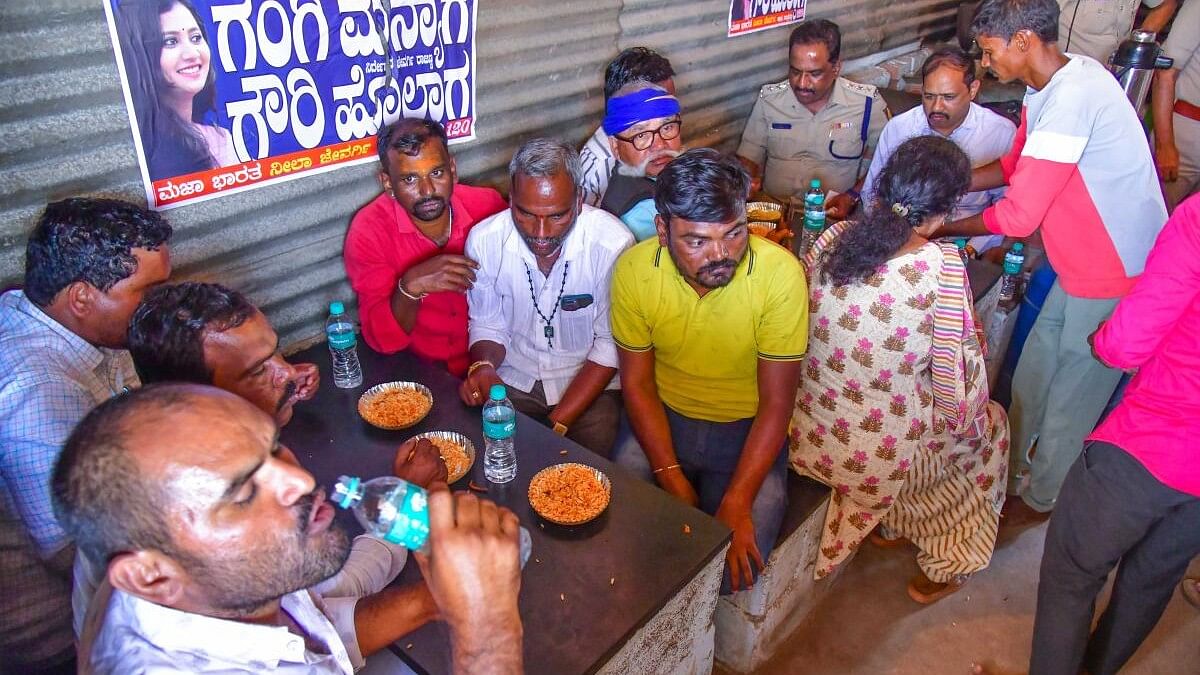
[
  {"x": 405, "y": 293},
  {"x": 479, "y": 364},
  {"x": 666, "y": 468}
]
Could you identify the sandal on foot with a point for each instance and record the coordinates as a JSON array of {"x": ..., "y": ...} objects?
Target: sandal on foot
[{"x": 926, "y": 592}]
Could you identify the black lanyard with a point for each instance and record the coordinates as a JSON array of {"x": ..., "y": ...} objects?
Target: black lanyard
[
  {"x": 863, "y": 131},
  {"x": 548, "y": 330}
]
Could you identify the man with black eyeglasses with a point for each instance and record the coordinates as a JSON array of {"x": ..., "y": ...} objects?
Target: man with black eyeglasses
[{"x": 643, "y": 126}]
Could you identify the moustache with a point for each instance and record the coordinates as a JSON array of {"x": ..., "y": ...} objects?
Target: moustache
[
  {"x": 639, "y": 171},
  {"x": 805, "y": 92},
  {"x": 289, "y": 390},
  {"x": 304, "y": 507},
  {"x": 429, "y": 202},
  {"x": 552, "y": 243},
  {"x": 718, "y": 266}
]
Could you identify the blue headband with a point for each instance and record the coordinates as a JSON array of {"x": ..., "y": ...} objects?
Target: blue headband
[{"x": 633, "y": 108}]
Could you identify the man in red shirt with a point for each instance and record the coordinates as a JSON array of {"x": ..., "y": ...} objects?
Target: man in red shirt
[{"x": 404, "y": 250}]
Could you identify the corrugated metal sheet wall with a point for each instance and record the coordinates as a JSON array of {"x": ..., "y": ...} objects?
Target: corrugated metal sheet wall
[{"x": 64, "y": 130}]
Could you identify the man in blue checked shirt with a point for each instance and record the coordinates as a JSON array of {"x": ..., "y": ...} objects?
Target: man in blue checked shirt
[{"x": 62, "y": 352}]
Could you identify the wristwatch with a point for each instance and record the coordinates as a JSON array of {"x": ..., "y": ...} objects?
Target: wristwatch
[{"x": 560, "y": 428}]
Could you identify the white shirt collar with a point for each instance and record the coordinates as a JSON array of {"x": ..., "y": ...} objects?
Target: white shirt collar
[{"x": 200, "y": 639}]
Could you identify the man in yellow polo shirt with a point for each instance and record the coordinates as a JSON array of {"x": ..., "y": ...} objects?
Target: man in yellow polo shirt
[{"x": 711, "y": 324}]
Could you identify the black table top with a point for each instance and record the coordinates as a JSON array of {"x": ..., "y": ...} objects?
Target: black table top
[{"x": 639, "y": 540}]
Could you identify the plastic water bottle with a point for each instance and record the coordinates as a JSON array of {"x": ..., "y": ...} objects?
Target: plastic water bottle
[
  {"x": 347, "y": 373},
  {"x": 814, "y": 216},
  {"x": 814, "y": 206},
  {"x": 396, "y": 511},
  {"x": 499, "y": 430},
  {"x": 1010, "y": 283}
]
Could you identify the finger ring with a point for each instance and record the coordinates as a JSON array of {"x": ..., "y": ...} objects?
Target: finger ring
[{"x": 474, "y": 394}]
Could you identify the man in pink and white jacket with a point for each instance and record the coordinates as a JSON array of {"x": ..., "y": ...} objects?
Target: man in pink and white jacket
[{"x": 1080, "y": 170}]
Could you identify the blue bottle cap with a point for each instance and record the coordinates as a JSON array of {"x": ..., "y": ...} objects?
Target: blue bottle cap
[
  {"x": 497, "y": 392},
  {"x": 346, "y": 491},
  {"x": 1016, "y": 248},
  {"x": 337, "y": 308},
  {"x": 816, "y": 182}
]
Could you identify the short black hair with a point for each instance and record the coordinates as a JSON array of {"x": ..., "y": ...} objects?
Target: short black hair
[
  {"x": 166, "y": 334},
  {"x": 950, "y": 57},
  {"x": 702, "y": 186},
  {"x": 822, "y": 31},
  {"x": 408, "y": 135},
  {"x": 636, "y": 63},
  {"x": 91, "y": 240},
  {"x": 99, "y": 495},
  {"x": 1003, "y": 18}
]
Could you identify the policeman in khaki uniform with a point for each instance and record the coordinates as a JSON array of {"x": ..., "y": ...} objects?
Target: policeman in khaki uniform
[
  {"x": 815, "y": 124},
  {"x": 1096, "y": 27},
  {"x": 1176, "y": 109}
]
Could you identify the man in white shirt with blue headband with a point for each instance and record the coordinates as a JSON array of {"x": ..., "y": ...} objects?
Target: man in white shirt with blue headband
[{"x": 643, "y": 126}]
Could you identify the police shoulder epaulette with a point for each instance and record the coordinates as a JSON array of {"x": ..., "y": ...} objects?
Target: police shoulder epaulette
[
  {"x": 773, "y": 88},
  {"x": 868, "y": 90}
]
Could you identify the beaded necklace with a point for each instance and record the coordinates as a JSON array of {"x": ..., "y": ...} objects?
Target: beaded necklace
[{"x": 548, "y": 330}]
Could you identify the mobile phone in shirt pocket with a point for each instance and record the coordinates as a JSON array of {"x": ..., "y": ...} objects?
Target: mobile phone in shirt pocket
[{"x": 576, "y": 316}]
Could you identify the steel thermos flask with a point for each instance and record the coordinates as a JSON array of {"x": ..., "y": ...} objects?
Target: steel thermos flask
[{"x": 1134, "y": 64}]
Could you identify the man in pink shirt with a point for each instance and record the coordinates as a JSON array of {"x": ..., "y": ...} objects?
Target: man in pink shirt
[{"x": 1133, "y": 497}]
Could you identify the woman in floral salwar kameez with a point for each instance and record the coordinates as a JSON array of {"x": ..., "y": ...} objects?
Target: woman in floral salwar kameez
[{"x": 893, "y": 411}]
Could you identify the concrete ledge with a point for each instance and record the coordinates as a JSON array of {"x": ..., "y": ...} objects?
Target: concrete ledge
[
  {"x": 750, "y": 625},
  {"x": 679, "y": 639}
]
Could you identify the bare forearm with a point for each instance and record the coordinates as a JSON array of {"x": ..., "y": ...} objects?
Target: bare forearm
[
  {"x": 488, "y": 648},
  {"x": 648, "y": 417},
  {"x": 486, "y": 350},
  {"x": 1162, "y": 102},
  {"x": 971, "y": 226},
  {"x": 588, "y": 383},
  {"x": 405, "y": 310},
  {"x": 778, "y": 383},
  {"x": 987, "y": 177},
  {"x": 389, "y": 615},
  {"x": 1158, "y": 18}
]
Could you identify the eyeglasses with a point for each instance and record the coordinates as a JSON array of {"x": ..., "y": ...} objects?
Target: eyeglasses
[{"x": 644, "y": 139}]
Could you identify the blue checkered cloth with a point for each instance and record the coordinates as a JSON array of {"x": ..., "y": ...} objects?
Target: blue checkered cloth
[{"x": 49, "y": 379}]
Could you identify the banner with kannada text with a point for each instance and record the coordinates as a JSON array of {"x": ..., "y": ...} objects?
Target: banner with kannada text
[
  {"x": 229, "y": 95},
  {"x": 751, "y": 16}
]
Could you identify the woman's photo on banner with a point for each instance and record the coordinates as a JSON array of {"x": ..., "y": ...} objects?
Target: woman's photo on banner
[{"x": 168, "y": 63}]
